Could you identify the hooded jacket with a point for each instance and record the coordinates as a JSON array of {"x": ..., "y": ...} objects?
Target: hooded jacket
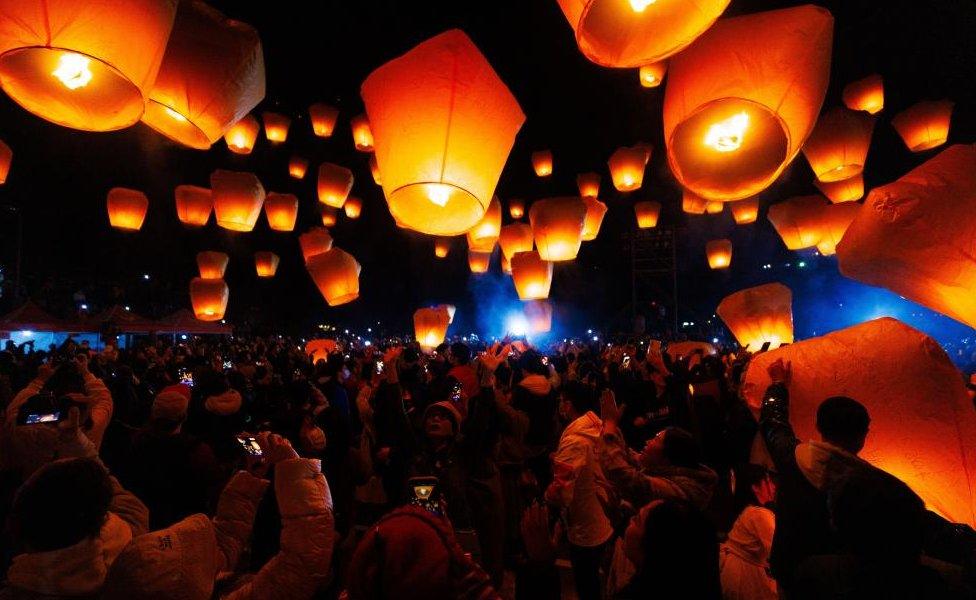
[{"x": 744, "y": 557}]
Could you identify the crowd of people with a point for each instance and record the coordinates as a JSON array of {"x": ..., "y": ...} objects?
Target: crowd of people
[{"x": 470, "y": 471}]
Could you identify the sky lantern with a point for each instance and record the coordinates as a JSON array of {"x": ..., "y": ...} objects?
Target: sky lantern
[
  {"x": 478, "y": 262},
  {"x": 353, "y": 207},
  {"x": 240, "y": 137},
  {"x": 627, "y": 167},
  {"x": 441, "y": 146},
  {"x": 334, "y": 184},
  {"x": 692, "y": 203},
  {"x": 845, "y": 190},
  {"x": 758, "y": 315},
  {"x": 797, "y": 220},
  {"x": 281, "y": 211},
  {"x": 835, "y": 218},
  {"x": 193, "y": 204},
  {"x": 6, "y": 156},
  {"x": 651, "y": 75},
  {"x": 628, "y": 34},
  {"x": 211, "y": 76},
  {"x": 84, "y": 65},
  {"x": 336, "y": 274},
  {"x": 838, "y": 146},
  {"x": 430, "y": 326},
  {"x": 557, "y": 225},
  {"x": 442, "y": 247},
  {"x": 714, "y": 207},
  {"x": 595, "y": 211},
  {"x": 538, "y": 314},
  {"x": 320, "y": 349},
  {"x": 362, "y": 133},
  {"x": 922, "y": 420},
  {"x": 532, "y": 275},
  {"x": 743, "y": 98},
  {"x": 719, "y": 254},
  {"x": 915, "y": 236},
  {"x": 745, "y": 211},
  {"x": 924, "y": 125},
  {"x": 865, "y": 94},
  {"x": 330, "y": 216},
  {"x": 374, "y": 170},
  {"x": 451, "y": 310},
  {"x": 275, "y": 126},
  {"x": 315, "y": 241},
  {"x": 209, "y": 298},
  {"x": 266, "y": 263},
  {"x": 126, "y": 208},
  {"x": 484, "y": 234},
  {"x": 323, "y": 117},
  {"x": 238, "y": 198},
  {"x": 588, "y": 184},
  {"x": 506, "y": 265},
  {"x": 515, "y": 238},
  {"x": 212, "y": 264},
  {"x": 542, "y": 163},
  {"x": 647, "y": 213},
  {"x": 516, "y": 208},
  {"x": 297, "y": 167}
]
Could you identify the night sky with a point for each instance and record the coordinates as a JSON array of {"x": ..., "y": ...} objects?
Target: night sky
[{"x": 321, "y": 51}]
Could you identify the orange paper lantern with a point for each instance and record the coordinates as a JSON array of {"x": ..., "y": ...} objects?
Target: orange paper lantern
[
  {"x": 865, "y": 94},
  {"x": 212, "y": 265},
  {"x": 238, "y": 198},
  {"x": 193, "y": 205},
  {"x": 835, "y": 219},
  {"x": 330, "y": 216},
  {"x": 758, "y": 315},
  {"x": 6, "y": 156},
  {"x": 275, "y": 126},
  {"x": 652, "y": 75},
  {"x": 336, "y": 274},
  {"x": 451, "y": 309},
  {"x": 588, "y": 184},
  {"x": 647, "y": 213},
  {"x": 242, "y": 135},
  {"x": 846, "y": 190},
  {"x": 281, "y": 211},
  {"x": 353, "y": 207},
  {"x": 515, "y": 238},
  {"x": 362, "y": 133},
  {"x": 538, "y": 314},
  {"x": 595, "y": 211},
  {"x": 323, "y": 118},
  {"x": 441, "y": 146},
  {"x": 557, "y": 225},
  {"x": 924, "y": 125},
  {"x": 797, "y": 221},
  {"x": 126, "y": 208},
  {"x": 334, "y": 184},
  {"x": 320, "y": 349},
  {"x": 442, "y": 247},
  {"x": 430, "y": 326},
  {"x": 714, "y": 207},
  {"x": 315, "y": 241},
  {"x": 692, "y": 203},
  {"x": 209, "y": 298},
  {"x": 743, "y": 98},
  {"x": 719, "y": 254},
  {"x": 374, "y": 170},
  {"x": 484, "y": 234},
  {"x": 478, "y": 262},
  {"x": 266, "y": 263},
  {"x": 542, "y": 163},
  {"x": 838, "y": 146},
  {"x": 532, "y": 275},
  {"x": 297, "y": 167},
  {"x": 516, "y": 208},
  {"x": 627, "y": 167},
  {"x": 745, "y": 211}
]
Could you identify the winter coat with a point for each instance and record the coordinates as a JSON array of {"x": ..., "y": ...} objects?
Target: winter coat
[
  {"x": 99, "y": 409},
  {"x": 744, "y": 557},
  {"x": 535, "y": 397}
]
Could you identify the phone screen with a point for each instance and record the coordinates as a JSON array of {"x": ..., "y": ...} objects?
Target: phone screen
[
  {"x": 426, "y": 494},
  {"x": 186, "y": 377},
  {"x": 456, "y": 393},
  {"x": 379, "y": 367},
  {"x": 250, "y": 445},
  {"x": 228, "y": 365},
  {"x": 36, "y": 418}
]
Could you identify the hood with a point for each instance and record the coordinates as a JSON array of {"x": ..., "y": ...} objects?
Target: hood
[
  {"x": 536, "y": 384},
  {"x": 824, "y": 464},
  {"x": 588, "y": 426},
  {"x": 752, "y": 535},
  {"x": 224, "y": 404},
  {"x": 697, "y": 484}
]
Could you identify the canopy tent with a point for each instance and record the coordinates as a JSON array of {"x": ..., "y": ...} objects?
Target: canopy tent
[
  {"x": 30, "y": 317},
  {"x": 120, "y": 320},
  {"x": 183, "y": 321}
]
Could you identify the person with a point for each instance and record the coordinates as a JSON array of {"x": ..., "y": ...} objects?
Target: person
[
  {"x": 535, "y": 396},
  {"x": 463, "y": 372},
  {"x": 744, "y": 556}
]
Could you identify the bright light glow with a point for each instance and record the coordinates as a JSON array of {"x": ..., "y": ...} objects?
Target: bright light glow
[
  {"x": 177, "y": 116},
  {"x": 628, "y": 180},
  {"x": 640, "y": 5},
  {"x": 714, "y": 340},
  {"x": 438, "y": 193},
  {"x": 367, "y": 343},
  {"x": 73, "y": 70},
  {"x": 127, "y": 308},
  {"x": 183, "y": 336},
  {"x": 27, "y": 333},
  {"x": 239, "y": 141},
  {"x": 650, "y": 78},
  {"x": 145, "y": 276},
  {"x": 516, "y": 325},
  {"x": 726, "y": 136},
  {"x": 84, "y": 307},
  {"x": 596, "y": 338}
]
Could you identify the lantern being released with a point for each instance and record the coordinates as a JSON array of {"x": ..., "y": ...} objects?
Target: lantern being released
[
  {"x": 126, "y": 208},
  {"x": 922, "y": 421},
  {"x": 336, "y": 274},
  {"x": 320, "y": 349},
  {"x": 323, "y": 118},
  {"x": 925, "y": 125},
  {"x": 281, "y": 211},
  {"x": 193, "y": 205},
  {"x": 652, "y": 75},
  {"x": 835, "y": 219},
  {"x": 742, "y": 99},
  {"x": 532, "y": 275},
  {"x": 515, "y": 238},
  {"x": 212, "y": 265},
  {"x": 297, "y": 167},
  {"x": 758, "y": 315},
  {"x": 334, "y": 184},
  {"x": 647, "y": 213},
  {"x": 797, "y": 221},
  {"x": 627, "y": 167},
  {"x": 542, "y": 163},
  {"x": 719, "y": 254},
  {"x": 478, "y": 262},
  {"x": 484, "y": 234},
  {"x": 557, "y": 225},
  {"x": 595, "y": 211},
  {"x": 516, "y": 208},
  {"x": 914, "y": 236},
  {"x": 847, "y": 190},
  {"x": 442, "y": 247},
  {"x": 85, "y": 65},
  {"x": 353, "y": 207},
  {"x": 266, "y": 263},
  {"x": 838, "y": 146},
  {"x": 617, "y": 33},
  {"x": 315, "y": 241},
  {"x": 238, "y": 198},
  {"x": 362, "y": 133},
  {"x": 6, "y": 156},
  {"x": 745, "y": 211},
  {"x": 330, "y": 216},
  {"x": 240, "y": 137},
  {"x": 538, "y": 314},
  {"x": 430, "y": 326},
  {"x": 588, "y": 184},
  {"x": 692, "y": 203},
  {"x": 275, "y": 127},
  {"x": 441, "y": 146},
  {"x": 865, "y": 94},
  {"x": 209, "y": 298}
]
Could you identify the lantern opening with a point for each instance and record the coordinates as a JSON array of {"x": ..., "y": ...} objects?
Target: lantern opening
[
  {"x": 177, "y": 127},
  {"x": 451, "y": 209},
  {"x": 73, "y": 70}
]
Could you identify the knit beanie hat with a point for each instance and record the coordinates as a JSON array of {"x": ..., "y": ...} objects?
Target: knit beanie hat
[
  {"x": 225, "y": 404},
  {"x": 170, "y": 405},
  {"x": 453, "y": 413}
]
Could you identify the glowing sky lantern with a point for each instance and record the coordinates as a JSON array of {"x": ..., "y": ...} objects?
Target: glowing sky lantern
[
  {"x": 442, "y": 247},
  {"x": 515, "y": 238},
  {"x": 315, "y": 241},
  {"x": 320, "y": 349},
  {"x": 336, "y": 274},
  {"x": 275, "y": 126},
  {"x": 922, "y": 420},
  {"x": 915, "y": 236},
  {"x": 441, "y": 146},
  {"x": 925, "y": 125},
  {"x": 193, "y": 204},
  {"x": 281, "y": 211},
  {"x": 714, "y": 207},
  {"x": 212, "y": 265},
  {"x": 538, "y": 314},
  {"x": 430, "y": 326},
  {"x": 353, "y": 207},
  {"x": 6, "y": 156},
  {"x": 330, "y": 216},
  {"x": 631, "y": 33},
  {"x": 743, "y": 98},
  {"x": 362, "y": 133},
  {"x": 323, "y": 117},
  {"x": 745, "y": 211},
  {"x": 126, "y": 208},
  {"x": 647, "y": 213},
  {"x": 297, "y": 167},
  {"x": 758, "y": 315},
  {"x": 627, "y": 167},
  {"x": 652, "y": 75},
  {"x": 266, "y": 263},
  {"x": 211, "y": 76},
  {"x": 240, "y": 137},
  {"x": 595, "y": 211},
  {"x": 374, "y": 170},
  {"x": 797, "y": 220},
  {"x": 516, "y": 208},
  {"x": 85, "y": 65},
  {"x": 542, "y": 163},
  {"x": 557, "y": 225},
  {"x": 835, "y": 220},
  {"x": 846, "y": 190},
  {"x": 334, "y": 184},
  {"x": 238, "y": 198},
  {"x": 478, "y": 262},
  {"x": 865, "y": 94},
  {"x": 209, "y": 298},
  {"x": 588, "y": 184},
  {"x": 532, "y": 275},
  {"x": 692, "y": 203},
  {"x": 719, "y": 254},
  {"x": 838, "y": 147},
  {"x": 484, "y": 234},
  {"x": 451, "y": 310}
]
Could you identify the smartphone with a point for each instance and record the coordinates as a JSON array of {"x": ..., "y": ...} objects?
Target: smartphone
[
  {"x": 545, "y": 360},
  {"x": 426, "y": 494},
  {"x": 626, "y": 360},
  {"x": 456, "y": 393},
  {"x": 228, "y": 365},
  {"x": 379, "y": 367},
  {"x": 250, "y": 445},
  {"x": 186, "y": 376},
  {"x": 40, "y": 409}
]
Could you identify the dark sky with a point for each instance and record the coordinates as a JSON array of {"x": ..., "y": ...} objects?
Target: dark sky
[{"x": 321, "y": 51}]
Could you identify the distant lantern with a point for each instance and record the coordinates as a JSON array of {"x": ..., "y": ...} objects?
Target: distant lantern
[
  {"x": 595, "y": 211},
  {"x": 297, "y": 167},
  {"x": 275, "y": 126},
  {"x": 193, "y": 204},
  {"x": 281, "y": 211},
  {"x": 647, "y": 213},
  {"x": 758, "y": 315},
  {"x": 532, "y": 275},
  {"x": 614, "y": 33},
  {"x": 374, "y": 170},
  {"x": 441, "y": 146},
  {"x": 126, "y": 208},
  {"x": 846, "y": 190},
  {"x": 484, "y": 234},
  {"x": 924, "y": 125},
  {"x": 838, "y": 146},
  {"x": 266, "y": 263},
  {"x": 515, "y": 238},
  {"x": 516, "y": 208},
  {"x": 241, "y": 136},
  {"x": 320, "y": 349},
  {"x": 745, "y": 211},
  {"x": 652, "y": 75},
  {"x": 238, "y": 198},
  {"x": 323, "y": 118},
  {"x": 353, "y": 207},
  {"x": 315, "y": 241},
  {"x": 865, "y": 94},
  {"x": 506, "y": 265},
  {"x": 6, "y": 156},
  {"x": 627, "y": 167},
  {"x": 588, "y": 184},
  {"x": 84, "y": 65},
  {"x": 442, "y": 247},
  {"x": 714, "y": 207},
  {"x": 336, "y": 274},
  {"x": 542, "y": 163},
  {"x": 557, "y": 225},
  {"x": 362, "y": 133},
  {"x": 209, "y": 298},
  {"x": 835, "y": 219},
  {"x": 212, "y": 265},
  {"x": 430, "y": 326},
  {"x": 211, "y": 76},
  {"x": 334, "y": 184},
  {"x": 538, "y": 314},
  {"x": 478, "y": 262},
  {"x": 719, "y": 254},
  {"x": 797, "y": 220},
  {"x": 732, "y": 124},
  {"x": 692, "y": 203},
  {"x": 330, "y": 216}
]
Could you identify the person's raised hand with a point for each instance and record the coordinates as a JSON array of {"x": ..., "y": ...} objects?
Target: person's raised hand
[
  {"x": 495, "y": 356},
  {"x": 72, "y": 441},
  {"x": 609, "y": 411},
  {"x": 275, "y": 448},
  {"x": 780, "y": 371}
]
